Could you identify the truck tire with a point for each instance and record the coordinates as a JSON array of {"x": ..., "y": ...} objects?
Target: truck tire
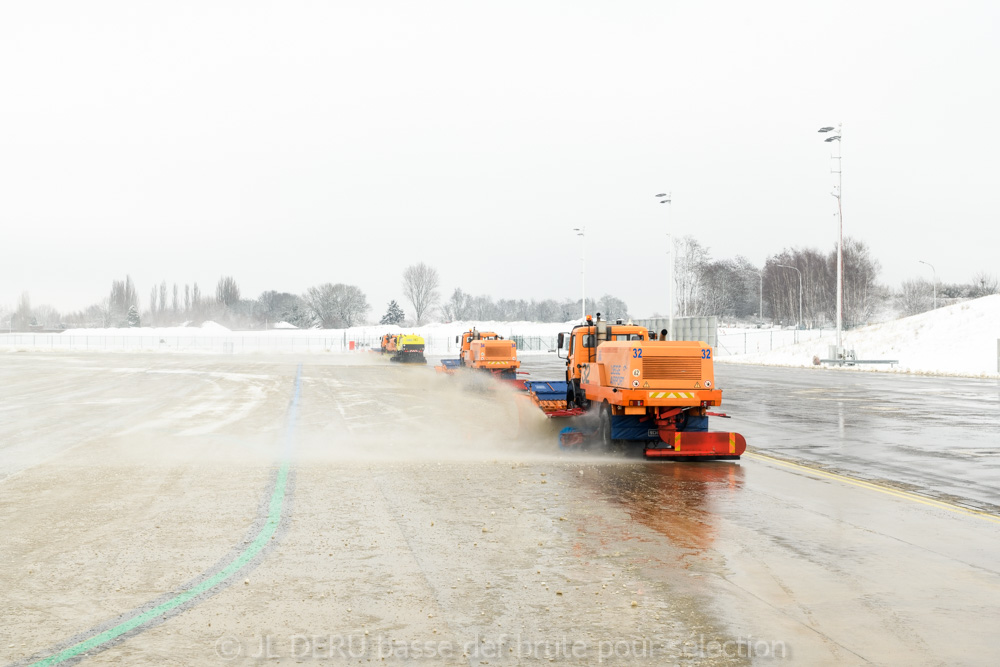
[
  {"x": 604, "y": 428},
  {"x": 579, "y": 396}
]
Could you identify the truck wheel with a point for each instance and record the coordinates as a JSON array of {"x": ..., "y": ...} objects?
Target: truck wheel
[
  {"x": 604, "y": 428},
  {"x": 579, "y": 396}
]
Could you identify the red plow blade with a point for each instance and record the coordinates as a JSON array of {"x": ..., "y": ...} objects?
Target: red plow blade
[{"x": 708, "y": 444}]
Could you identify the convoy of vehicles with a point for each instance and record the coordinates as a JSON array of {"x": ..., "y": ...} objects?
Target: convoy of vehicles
[{"x": 622, "y": 387}]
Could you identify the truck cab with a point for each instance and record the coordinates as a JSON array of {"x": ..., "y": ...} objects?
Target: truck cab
[{"x": 581, "y": 347}]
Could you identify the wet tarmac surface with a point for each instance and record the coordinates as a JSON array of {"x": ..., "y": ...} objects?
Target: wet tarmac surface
[
  {"x": 933, "y": 435},
  {"x": 196, "y": 510}
]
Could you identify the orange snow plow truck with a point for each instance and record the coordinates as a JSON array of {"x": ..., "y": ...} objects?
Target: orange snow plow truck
[
  {"x": 623, "y": 386},
  {"x": 486, "y": 351}
]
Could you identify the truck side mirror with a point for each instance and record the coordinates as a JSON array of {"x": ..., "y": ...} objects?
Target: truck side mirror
[{"x": 561, "y": 340}]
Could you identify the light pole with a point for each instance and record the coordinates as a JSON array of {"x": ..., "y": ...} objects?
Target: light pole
[
  {"x": 665, "y": 198},
  {"x": 934, "y": 272},
  {"x": 581, "y": 232},
  {"x": 785, "y": 266},
  {"x": 836, "y": 137}
]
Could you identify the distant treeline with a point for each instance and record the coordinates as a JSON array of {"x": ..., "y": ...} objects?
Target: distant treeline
[{"x": 734, "y": 289}]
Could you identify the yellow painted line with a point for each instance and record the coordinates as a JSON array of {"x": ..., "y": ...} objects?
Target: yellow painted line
[{"x": 887, "y": 490}]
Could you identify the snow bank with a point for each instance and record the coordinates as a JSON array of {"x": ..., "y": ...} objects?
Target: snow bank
[{"x": 957, "y": 340}]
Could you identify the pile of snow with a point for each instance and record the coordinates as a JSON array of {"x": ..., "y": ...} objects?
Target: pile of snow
[{"x": 956, "y": 340}]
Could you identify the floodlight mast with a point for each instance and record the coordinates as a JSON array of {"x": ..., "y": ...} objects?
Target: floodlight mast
[
  {"x": 666, "y": 198},
  {"x": 581, "y": 232},
  {"x": 836, "y": 136}
]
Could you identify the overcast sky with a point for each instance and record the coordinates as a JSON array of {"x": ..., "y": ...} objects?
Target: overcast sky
[{"x": 294, "y": 143}]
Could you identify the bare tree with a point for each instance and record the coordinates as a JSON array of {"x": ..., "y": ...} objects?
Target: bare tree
[
  {"x": 689, "y": 256},
  {"x": 984, "y": 284},
  {"x": 163, "y": 296},
  {"x": 227, "y": 292},
  {"x": 458, "y": 306},
  {"x": 612, "y": 308},
  {"x": 319, "y": 301},
  {"x": 724, "y": 289},
  {"x": 275, "y": 307},
  {"x": 100, "y": 312},
  {"x": 506, "y": 310},
  {"x": 47, "y": 316},
  {"x": 915, "y": 297},
  {"x": 175, "y": 304},
  {"x": 420, "y": 283},
  {"x": 23, "y": 317},
  {"x": 152, "y": 300},
  {"x": 351, "y": 305},
  {"x": 863, "y": 296},
  {"x": 187, "y": 298},
  {"x": 336, "y": 306},
  {"x": 121, "y": 299}
]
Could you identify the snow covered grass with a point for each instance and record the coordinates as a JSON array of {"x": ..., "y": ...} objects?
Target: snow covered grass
[{"x": 956, "y": 340}]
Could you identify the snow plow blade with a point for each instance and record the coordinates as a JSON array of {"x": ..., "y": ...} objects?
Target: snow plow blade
[
  {"x": 700, "y": 444},
  {"x": 550, "y": 396},
  {"x": 449, "y": 366}
]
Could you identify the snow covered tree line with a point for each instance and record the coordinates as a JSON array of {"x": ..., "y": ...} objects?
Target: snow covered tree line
[
  {"x": 327, "y": 305},
  {"x": 463, "y": 306},
  {"x": 731, "y": 288},
  {"x": 734, "y": 288}
]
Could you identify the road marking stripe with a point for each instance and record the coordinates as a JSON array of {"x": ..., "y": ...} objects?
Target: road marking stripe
[
  {"x": 898, "y": 493},
  {"x": 103, "y": 640}
]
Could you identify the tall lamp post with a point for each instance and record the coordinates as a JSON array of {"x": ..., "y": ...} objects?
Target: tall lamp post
[
  {"x": 581, "y": 232},
  {"x": 665, "y": 198},
  {"x": 785, "y": 266},
  {"x": 836, "y": 137},
  {"x": 934, "y": 272}
]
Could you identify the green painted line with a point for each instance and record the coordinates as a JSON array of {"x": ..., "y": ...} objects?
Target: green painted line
[{"x": 263, "y": 538}]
